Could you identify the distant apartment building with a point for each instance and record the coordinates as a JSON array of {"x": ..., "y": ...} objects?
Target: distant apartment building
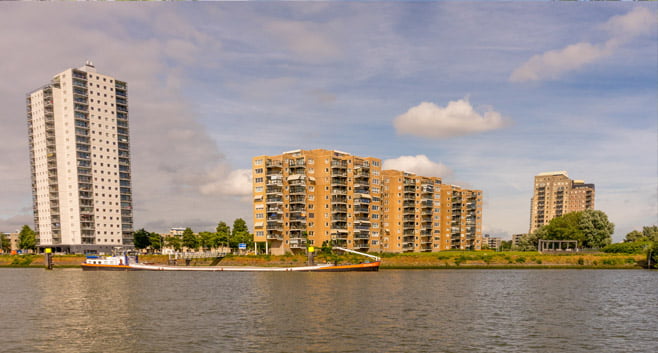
[
  {"x": 422, "y": 214},
  {"x": 555, "y": 194},
  {"x": 516, "y": 238},
  {"x": 13, "y": 240},
  {"x": 304, "y": 198},
  {"x": 492, "y": 242},
  {"x": 80, "y": 162}
]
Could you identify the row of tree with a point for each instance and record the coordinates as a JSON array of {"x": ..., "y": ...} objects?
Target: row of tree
[
  {"x": 223, "y": 236},
  {"x": 591, "y": 228}
]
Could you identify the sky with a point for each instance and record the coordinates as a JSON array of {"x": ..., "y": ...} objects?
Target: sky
[{"x": 483, "y": 94}]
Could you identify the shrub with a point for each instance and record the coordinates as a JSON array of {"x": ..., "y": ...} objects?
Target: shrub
[
  {"x": 520, "y": 260},
  {"x": 610, "y": 262},
  {"x": 581, "y": 261},
  {"x": 538, "y": 261},
  {"x": 627, "y": 248}
]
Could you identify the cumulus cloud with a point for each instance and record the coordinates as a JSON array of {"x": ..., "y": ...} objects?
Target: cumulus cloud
[
  {"x": 554, "y": 63},
  {"x": 456, "y": 119},
  {"x": 234, "y": 183},
  {"x": 420, "y": 165}
]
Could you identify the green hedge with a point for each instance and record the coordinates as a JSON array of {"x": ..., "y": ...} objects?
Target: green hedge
[{"x": 627, "y": 248}]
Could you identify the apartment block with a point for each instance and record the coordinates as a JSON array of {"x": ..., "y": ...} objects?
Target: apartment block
[
  {"x": 517, "y": 238},
  {"x": 80, "y": 162},
  {"x": 555, "y": 194},
  {"x": 422, "y": 214},
  {"x": 304, "y": 198},
  {"x": 492, "y": 242}
]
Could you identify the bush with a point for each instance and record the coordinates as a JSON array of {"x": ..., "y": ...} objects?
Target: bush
[
  {"x": 581, "y": 261},
  {"x": 22, "y": 260},
  {"x": 610, "y": 262},
  {"x": 627, "y": 248},
  {"x": 520, "y": 260}
]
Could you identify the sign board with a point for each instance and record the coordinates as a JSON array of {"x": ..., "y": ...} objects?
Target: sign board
[
  {"x": 242, "y": 246},
  {"x": 49, "y": 250},
  {"x": 311, "y": 249}
]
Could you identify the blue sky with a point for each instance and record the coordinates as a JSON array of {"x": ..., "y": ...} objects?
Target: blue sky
[{"x": 485, "y": 95}]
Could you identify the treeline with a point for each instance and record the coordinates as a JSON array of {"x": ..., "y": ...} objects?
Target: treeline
[{"x": 223, "y": 237}]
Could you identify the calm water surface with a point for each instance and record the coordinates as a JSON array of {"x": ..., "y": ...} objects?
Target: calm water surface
[{"x": 391, "y": 311}]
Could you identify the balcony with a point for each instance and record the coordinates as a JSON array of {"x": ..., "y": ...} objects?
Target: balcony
[
  {"x": 338, "y": 209},
  {"x": 297, "y": 190},
  {"x": 339, "y": 199},
  {"x": 273, "y": 200},
  {"x": 297, "y": 199},
  {"x": 339, "y": 235},
  {"x": 297, "y": 243},
  {"x": 274, "y": 236}
]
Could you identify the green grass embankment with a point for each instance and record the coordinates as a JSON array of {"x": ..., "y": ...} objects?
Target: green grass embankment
[{"x": 440, "y": 260}]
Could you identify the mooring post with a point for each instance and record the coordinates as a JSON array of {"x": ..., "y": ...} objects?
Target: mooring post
[{"x": 48, "y": 253}]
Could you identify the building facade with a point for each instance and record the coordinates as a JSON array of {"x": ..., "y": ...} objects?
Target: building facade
[
  {"x": 555, "y": 194},
  {"x": 422, "y": 214},
  {"x": 307, "y": 198},
  {"x": 517, "y": 238},
  {"x": 80, "y": 162},
  {"x": 493, "y": 243},
  {"x": 304, "y": 198}
]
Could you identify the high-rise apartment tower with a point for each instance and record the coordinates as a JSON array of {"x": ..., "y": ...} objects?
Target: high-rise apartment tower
[
  {"x": 80, "y": 162},
  {"x": 555, "y": 194}
]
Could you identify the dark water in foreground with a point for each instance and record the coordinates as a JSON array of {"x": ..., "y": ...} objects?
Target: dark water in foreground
[{"x": 390, "y": 311}]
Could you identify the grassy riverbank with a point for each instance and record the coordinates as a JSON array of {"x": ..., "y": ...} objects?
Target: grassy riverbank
[{"x": 441, "y": 260}]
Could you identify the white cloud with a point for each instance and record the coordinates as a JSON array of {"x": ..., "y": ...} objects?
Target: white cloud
[
  {"x": 420, "y": 165},
  {"x": 234, "y": 183},
  {"x": 554, "y": 63},
  {"x": 456, "y": 119}
]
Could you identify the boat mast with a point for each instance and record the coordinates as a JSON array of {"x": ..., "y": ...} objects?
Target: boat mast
[{"x": 377, "y": 258}]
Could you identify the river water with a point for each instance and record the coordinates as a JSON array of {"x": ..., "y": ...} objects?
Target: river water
[{"x": 68, "y": 310}]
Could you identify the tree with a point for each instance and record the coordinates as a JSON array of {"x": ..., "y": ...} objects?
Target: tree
[
  {"x": 5, "y": 243},
  {"x": 596, "y": 229},
  {"x": 156, "y": 241},
  {"x": 222, "y": 227},
  {"x": 174, "y": 242},
  {"x": 240, "y": 226},
  {"x": 647, "y": 234},
  {"x": 27, "y": 238},
  {"x": 206, "y": 240},
  {"x": 590, "y": 228},
  {"x": 142, "y": 239},
  {"x": 189, "y": 239},
  {"x": 241, "y": 234},
  {"x": 529, "y": 242}
]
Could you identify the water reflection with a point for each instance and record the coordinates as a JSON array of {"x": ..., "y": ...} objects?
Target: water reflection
[{"x": 389, "y": 311}]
